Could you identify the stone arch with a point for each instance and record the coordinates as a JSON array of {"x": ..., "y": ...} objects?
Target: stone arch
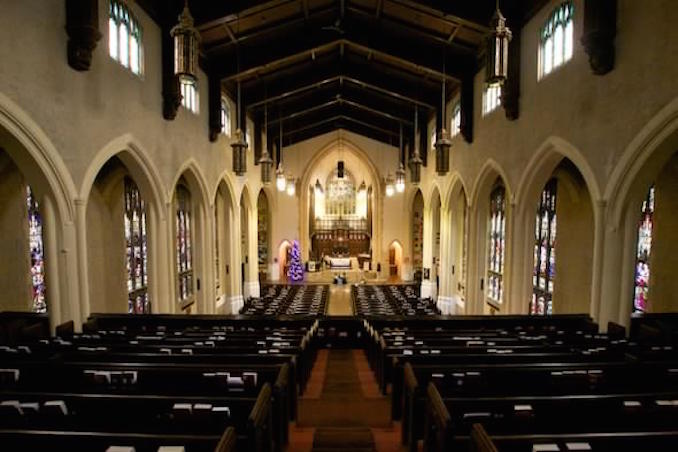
[
  {"x": 644, "y": 158},
  {"x": 136, "y": 161},
  {"x": 190, "y": 174},
  {"x": 38, "y": 160},
  {"x": 348, "y": 146},
  {"x": 226, "y": 254},
  {"x": 454, "y": 244},
  {"x": 490, "y": 173},
  {"x": 579, "y": 219}
]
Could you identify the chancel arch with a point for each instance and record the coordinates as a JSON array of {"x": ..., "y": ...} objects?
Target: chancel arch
[{"x": 340, "y": 215}]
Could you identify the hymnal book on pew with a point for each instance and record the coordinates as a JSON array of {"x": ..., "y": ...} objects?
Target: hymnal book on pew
[
  {"x": 171, "y": 449},
  {"x": 9, "y": 375},
  {"x": 121, "y": 449},
  {"x": 545, "y": 447},
  {"x": 58, "y": 406},
  {"x": 578, "y": 446}
]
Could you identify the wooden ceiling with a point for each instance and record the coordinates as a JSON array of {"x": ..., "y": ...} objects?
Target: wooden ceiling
[{"x": 362, "y": 65}]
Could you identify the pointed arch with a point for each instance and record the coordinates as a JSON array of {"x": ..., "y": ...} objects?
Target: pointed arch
[
  {"x": 540, "y": 167},
  {"x": 137, "y": 161},
  {"x": 40, "y": 163},
  {"x": 645, "y": 154},
  {"x": 196, "y": 180},
  {"x": 485, "y": 179}
]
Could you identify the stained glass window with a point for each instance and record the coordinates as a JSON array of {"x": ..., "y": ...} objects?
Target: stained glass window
[
  {"x": 225, "y": 117},
  {"x": 184, "y": 244},
  {"x": 217, "y": 279},
  {"x": 497, "y": 244},
  {"x": 189, "y": 94},
  {"x": 556, "y": 39},
  {"x": 37, "y": 252},
  {"x": 136, "y": 256},
  {"x": 464, "y": 255},
  {"x": 544, "y": 269},
  {"x": 642, "y": 277},
  {"x": 455, "y": 125},
  {"x": 124, "y": 37},
  {"x": 262, "y": 232},
  {"x": 433, "y": 137},
  {"x": 491, "y": 98}
]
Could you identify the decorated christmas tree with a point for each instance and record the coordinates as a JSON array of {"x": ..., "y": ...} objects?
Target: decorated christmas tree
[{"x": 296, "y": 271}]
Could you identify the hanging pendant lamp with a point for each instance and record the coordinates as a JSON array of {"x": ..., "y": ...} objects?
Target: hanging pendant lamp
[
  {"x": 186, "y": 39},
  {"x": 239, "y": 146},
  {"x": 496, "y": 67}
]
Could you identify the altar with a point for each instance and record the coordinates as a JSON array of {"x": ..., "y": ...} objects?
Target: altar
[{"x": 337, "y": 263}]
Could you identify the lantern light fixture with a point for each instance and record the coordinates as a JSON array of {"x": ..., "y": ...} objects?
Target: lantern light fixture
[
  {"x": 443, "y": 142},
  {"x": 186, "y": 40},
  {"x": 416, "y": 161},
  {"x": 239, "y": 146},
  {"x": 496, "y": 67},
  {"x": 390, "y": 189},
  {"x": 318, "y": 188},
  {"x": 400, "y": 178},
  {"x": 291, "y": 186}
]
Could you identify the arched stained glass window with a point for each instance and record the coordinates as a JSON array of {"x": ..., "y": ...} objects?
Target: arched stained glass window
[
  {"x": 37, "y": 250},
  {"x": 496, "y": 244},
  {"x": 644, "y": 247},
  {"x": 544, "y": 252},
  {"x": 136, "y": 256},
  {"x": 556, "y": 39},
  {"x": 124, "y": 37},
  {"x": 184, "y": 244},
  {"x": 217, "y": 279},
  {"x": 464, "y": 255}
]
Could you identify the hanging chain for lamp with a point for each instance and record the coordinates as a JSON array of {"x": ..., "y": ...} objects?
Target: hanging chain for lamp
[
  {"x": 265, "y": 161},
  {"x": 186, "y": 40},
  {"x": 239, "y": 146},
  {"x": 496, "y": 67},
  {"x": 280, "y": 180},
  {"x": 400, "y": 172},
  {"x": 415, "y": 161},
  {"x": 443, "y": 142}
]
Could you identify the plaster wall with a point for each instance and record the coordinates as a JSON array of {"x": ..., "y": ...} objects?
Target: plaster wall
[
  {"x": 664, "y": 256},
  {"x": 15, "y": 283}
]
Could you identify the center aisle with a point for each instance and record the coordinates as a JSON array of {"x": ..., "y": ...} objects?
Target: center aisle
[
  {"x": 339, "y": 301},
  {"x": 342, "y": 408}
]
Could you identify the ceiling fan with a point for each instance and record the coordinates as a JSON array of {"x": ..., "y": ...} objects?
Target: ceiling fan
[{"x": 337, "y": 25}]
